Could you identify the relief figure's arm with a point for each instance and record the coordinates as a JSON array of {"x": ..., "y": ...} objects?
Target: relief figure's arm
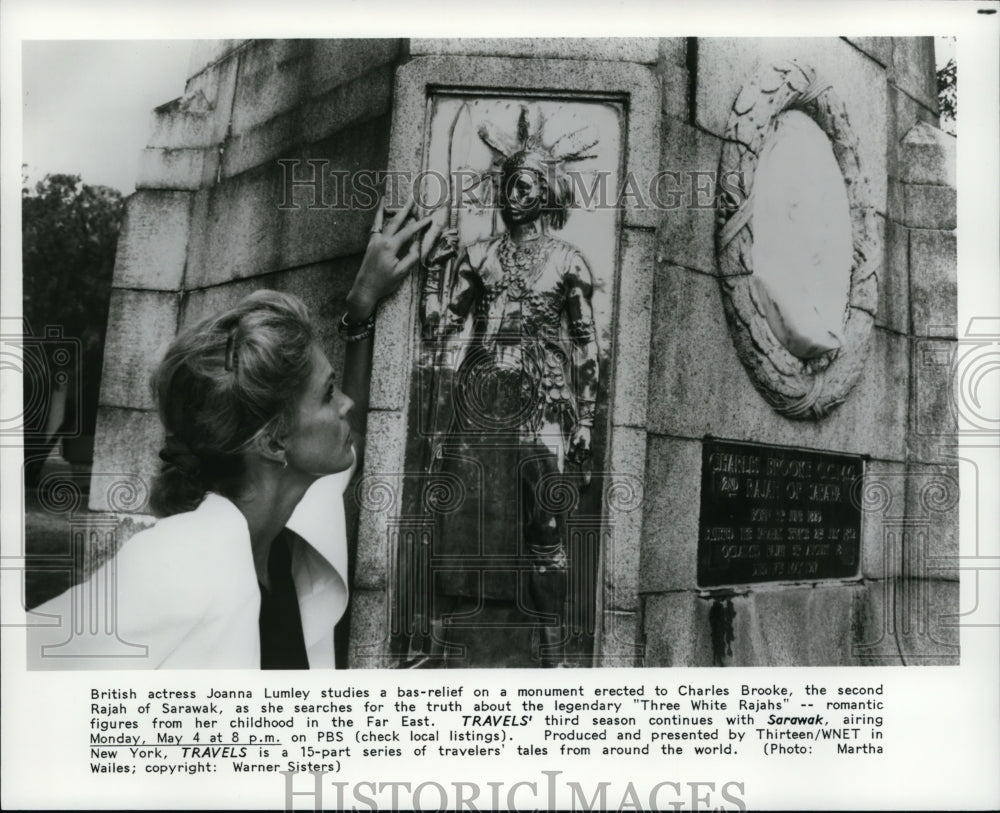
[
  {"x": 449, "y": 290},
  {"x": 585, "y": 355}
]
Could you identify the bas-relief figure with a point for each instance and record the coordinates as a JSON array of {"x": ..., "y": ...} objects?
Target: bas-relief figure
[{"x": 515, "y": 382}]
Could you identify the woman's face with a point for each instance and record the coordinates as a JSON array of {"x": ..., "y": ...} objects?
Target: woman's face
[{"x": 320, "y": 442}]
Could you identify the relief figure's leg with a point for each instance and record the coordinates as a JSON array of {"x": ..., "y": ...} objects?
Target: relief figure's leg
[{"x": 544, "y": 536}]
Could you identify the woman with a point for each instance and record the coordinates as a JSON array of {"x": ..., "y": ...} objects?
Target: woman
[{"x": 247, "y": 567}]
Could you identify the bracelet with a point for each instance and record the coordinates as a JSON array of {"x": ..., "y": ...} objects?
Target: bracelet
[{"x": 356, "y": 333}]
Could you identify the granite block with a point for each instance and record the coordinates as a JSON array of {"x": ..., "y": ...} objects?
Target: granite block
[
  {"x": 142, "y": 324},
  {"x": 153, "y": 240}
]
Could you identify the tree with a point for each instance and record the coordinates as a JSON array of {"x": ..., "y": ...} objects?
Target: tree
[
  {"x": 69, "y": 235},
  {"x": 947, "y": 84}
]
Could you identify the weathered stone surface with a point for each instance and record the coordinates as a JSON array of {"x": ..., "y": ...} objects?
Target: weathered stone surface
[
  {"x": 334, "y": 62},
  {"x": 725, "y": 64},
  {"x": 128, "y": 442},
  {"x": 883, "y": 515},
  {"x": 927, "y": 621},
  {"x": 929, "y": 207},
  {"x": 914, "y": 70},
  {"x": 686, "y": 234},
  {"x": 204, "y": 302},
  {"x": 874, "y": 642},
  {"x": 624, "y": 500},
  {"x": 312, "y": 235},
  {"x": 285, "y": 135},
  {"x": 932, "y": 496},
  {"x": 184, "y": 123},
  {"x": 630, "y": 352},
  {"x": 271, "y": 140},
  {"x": 698, "y": 386},
  {"x": 675, "y": 80},
  {"x": 933, "y": 282},
  {"x": 927, "y": 156},
  {"x": 270, "y": 81},
  {"x": 676, "y": 630},
  {"x": 894, "y": 279},
  {"x": 393, "y": 352},
  {"x": 626, "y": 49},
  {"x": 620, "y": 643},
  {"x": 153, "y": 242},
  {"x": 171, "y": 169},
  {"x": 123, "y": 493},
  {"x": 673, "y": 50},
  {"x": 235, "y": 229},
  {"x": 143, "y": 325},
  {"x": 895, "y": 209},
  {"x": 366, "y": 96},
  {"x": 805, "y": 626},
  {"x": 933, "y": 418},
  {"x": 323, "y": 287},
  {"x": 878, "y": 48},
  {"x": 241, "y": 231},
  {"x": 218, "y": 86},
  {"x": 384, "y": 463},
  {"x": 204, "y": 53},
  {"x": 904, "y": 113},
  {"x": 669, "y": 557},
  {"x": 199, "y": 118},
  {"x": 369, "y": 630}
]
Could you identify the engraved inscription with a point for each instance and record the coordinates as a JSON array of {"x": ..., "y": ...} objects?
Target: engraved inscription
[{"x": 774, "y": 514}]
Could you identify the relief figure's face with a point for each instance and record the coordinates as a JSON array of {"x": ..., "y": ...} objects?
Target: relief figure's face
[{"x": 522, "y": 195}]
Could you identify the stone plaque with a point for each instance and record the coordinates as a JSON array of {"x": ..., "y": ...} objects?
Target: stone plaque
[
  {"x": 508, "y": 416},
  {"x": 777, "y": 514}
]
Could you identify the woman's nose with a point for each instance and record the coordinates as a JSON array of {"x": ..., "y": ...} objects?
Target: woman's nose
[{"x": 346, "y": 405}]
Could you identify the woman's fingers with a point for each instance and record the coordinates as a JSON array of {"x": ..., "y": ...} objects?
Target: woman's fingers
[
  {"x": 408, "y": 261},
  {"x": 379, "y": 216},
  {"x": 400, "y": 217},
  {"x": 429, "y": 240},
  {"x": 413, "y": 228}
]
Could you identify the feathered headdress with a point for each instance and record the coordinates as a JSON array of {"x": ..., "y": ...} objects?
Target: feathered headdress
[{"x": 529, "y": 147}]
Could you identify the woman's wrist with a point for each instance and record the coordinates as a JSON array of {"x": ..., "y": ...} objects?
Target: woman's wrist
[{"x": 359, "y": 308}]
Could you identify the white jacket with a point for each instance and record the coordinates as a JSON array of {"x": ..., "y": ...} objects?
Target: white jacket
[{"x": 184, "y": 594}]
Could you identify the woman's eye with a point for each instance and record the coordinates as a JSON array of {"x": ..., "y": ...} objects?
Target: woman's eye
[{"x": 329, "y": 394}]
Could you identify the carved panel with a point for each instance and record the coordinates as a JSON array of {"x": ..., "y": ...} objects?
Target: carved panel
[{"x": 811, "y": 381}]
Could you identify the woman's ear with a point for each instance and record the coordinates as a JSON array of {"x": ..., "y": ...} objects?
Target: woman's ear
[{"x": 270, "y": 446}]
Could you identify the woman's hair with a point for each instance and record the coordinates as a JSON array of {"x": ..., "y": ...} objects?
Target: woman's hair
[{"x": 222, "y": 384}]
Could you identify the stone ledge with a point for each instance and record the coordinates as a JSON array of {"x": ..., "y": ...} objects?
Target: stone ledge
[
  {"x": 625, "y": 49},
  {"x": 172, "y": 168}
]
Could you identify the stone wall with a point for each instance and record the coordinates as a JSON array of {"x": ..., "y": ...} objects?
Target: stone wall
[
  {"x": 205, "y": 228},
  {"x": 698, "y": 386}
]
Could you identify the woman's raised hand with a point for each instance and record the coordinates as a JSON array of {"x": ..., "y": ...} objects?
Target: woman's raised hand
[{"x": 383, "y": 269}]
